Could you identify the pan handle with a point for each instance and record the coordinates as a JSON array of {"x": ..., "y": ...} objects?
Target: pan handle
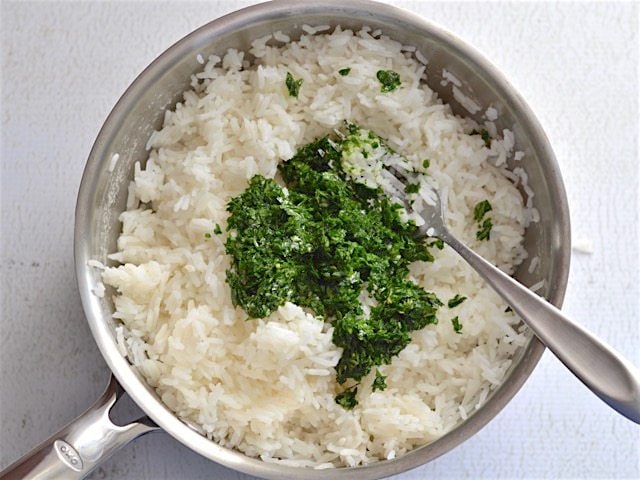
[{"x": 82, "y": 445}]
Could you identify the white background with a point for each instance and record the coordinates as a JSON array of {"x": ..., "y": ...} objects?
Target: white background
[{"x": 64, "y": 65}]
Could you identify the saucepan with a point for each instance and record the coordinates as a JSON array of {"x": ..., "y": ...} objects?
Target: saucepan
[{"x": 92, "y": 437}]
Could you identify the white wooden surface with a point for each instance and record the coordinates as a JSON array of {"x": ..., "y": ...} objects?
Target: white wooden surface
[{"x": 65, "y": 64}]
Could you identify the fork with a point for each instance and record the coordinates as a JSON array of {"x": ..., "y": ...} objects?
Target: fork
[{"x": 603, "y": 370}]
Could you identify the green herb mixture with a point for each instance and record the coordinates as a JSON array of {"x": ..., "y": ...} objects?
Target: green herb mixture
[
  {"x": 484, "y": 134},
  {"x": 455, "y": 301},
  {"x": 293, "y": 85},
  {"x": 324, "y": 241},
  {"x": 389, "y": 79},
  {"x": 484, "y": 226}
]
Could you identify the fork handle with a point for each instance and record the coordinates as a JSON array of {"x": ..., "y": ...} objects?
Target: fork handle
[{"x": 603, "y": 370}]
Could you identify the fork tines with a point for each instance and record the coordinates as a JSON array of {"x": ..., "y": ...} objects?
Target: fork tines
[{"x": 396, "y": 181}]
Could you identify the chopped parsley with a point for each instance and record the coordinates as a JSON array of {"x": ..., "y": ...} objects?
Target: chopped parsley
[
  {"x": 438, "y": 243},
  {"x": 344, "y": 71},
  {"x": 412, "y": 188},
  {"x": 484, "y": 227},
  {"x": 293, "y": 85},
  {"x": 379, "y": 383},
  {"x": 455, "y": 301},
  {"x": 457, "y": 326},
  {"x": 425, "y": 163},
  {"x": 319, "y": 244},
  {"x": 481, "y": 209},
  {"x": 484, "y": 134},
  {"x": 486, "y": 138},
  {"x": 484, "y": 233},
  {"x": 347, "y": 398},
  {"x": 389, "y": 79},
  {"x": 207, "y": 235},
  {"x": 217, "y": 230}
]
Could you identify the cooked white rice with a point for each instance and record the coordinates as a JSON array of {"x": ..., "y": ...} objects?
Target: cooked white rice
[{"x": 266, "y": 387}]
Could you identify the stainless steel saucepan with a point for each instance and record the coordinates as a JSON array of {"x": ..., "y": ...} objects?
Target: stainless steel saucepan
[{"x": 77, "y": 449}]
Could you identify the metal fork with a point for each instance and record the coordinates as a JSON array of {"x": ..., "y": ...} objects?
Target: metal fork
[{"x": 603, "y": 370}]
